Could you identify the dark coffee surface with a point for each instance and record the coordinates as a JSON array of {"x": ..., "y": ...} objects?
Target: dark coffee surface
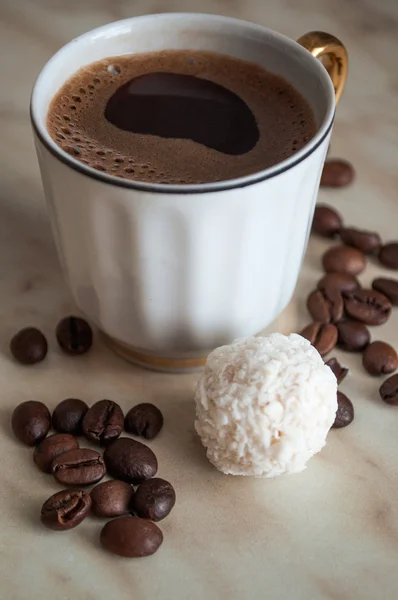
[
  {"x": 186, "y": 107},
  {"x": 179, "y": 117}
]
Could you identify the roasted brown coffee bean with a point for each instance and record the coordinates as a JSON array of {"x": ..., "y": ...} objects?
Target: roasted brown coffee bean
[
  {"x": 344, "y": 258},
  {"x": 112, "y": 498},
  {"x": 66, "y": 509},
  {"x": 337, "y": 173},
  {"x": 103, "y": 422},
  {"x": 353, "y": 336},
  {"x": 366, "y": 241},
  {"x": 74, "y": 335},
  {"x": 130, "y": 461},
  {"x": 144, "y": 419},
  {"x": 345, "y": 411},
  {"x": 131, "y": 537},
  {"x": 322, "y": 336},
  {"x": 154, "y": 499},
  {"x": 81, "y": 466},
  {"x": 326, "y": 306},
  {"x": 339, "y": 372},
  {"x": 68, "y": 416},
  {"x": 342, "y": 282},
  {"x": 53, "y": 446},
  {"x": 327, "y": 221},
  {"x": 380, "y": 358},
  {"x": 388, "y": 287},
  {"x": 389, "y": 390},
  {"x": 388, "y": 255},
  {"x": 30, "y": 422},
  {"x": 367, "y": 306},
  {"x": 29, "y": 346}
]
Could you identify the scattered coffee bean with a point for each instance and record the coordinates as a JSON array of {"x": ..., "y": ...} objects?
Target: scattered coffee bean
[
  {"x": 388, "y": 255},
  {"x": 81, "y": 466},
  {"x": 68, "y": 416},
  {"x": 322, "y": 336},
  {"x": 344, "y": 258},
  {"x": 144, "y": 419},
  {"x": 366, "y": 241},
  {"x": 74, "y": 335},
  {"x": 30, "y": 422},
  {"x": 103, "y": 422},
  {"x": 29, "y": 346},
  {"x": 327, "y": 221},
  {"x": 326, "y": 306},
  {"x": 130, "y": 461},
  {"x": 112, "y": 498},
  {"x": 380, "y": 358},
  {"x": 339, "y": 372},
  {"x": 154, "y": 499},
  {"x": 367, "y": 306},
  {"x": 353, "y": 336},
  {"x": 66, "y": 509},
  {"x": 342, "y": 282},
  {"x": 131, "y": 537},
  {"x": 51, "y": 447},
  {"x": 389, "y": 390},
  {"x": 337, "y": 173},
  {"x": 345, "y": 411},
  {"x": 388, "y": 287}
]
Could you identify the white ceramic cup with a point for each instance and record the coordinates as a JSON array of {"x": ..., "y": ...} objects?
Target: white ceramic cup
[{"x": 169, "y": 272}]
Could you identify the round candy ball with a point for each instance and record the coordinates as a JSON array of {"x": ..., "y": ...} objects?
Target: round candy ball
[{"x": 264, "y": 405}]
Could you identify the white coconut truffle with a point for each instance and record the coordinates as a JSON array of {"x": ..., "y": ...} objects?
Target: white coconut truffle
[{"x": 264, "y": 405}]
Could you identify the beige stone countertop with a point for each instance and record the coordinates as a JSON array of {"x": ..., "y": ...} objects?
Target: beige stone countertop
[{"x": 330, "y": 533}]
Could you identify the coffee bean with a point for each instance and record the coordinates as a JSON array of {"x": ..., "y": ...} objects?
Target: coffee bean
[
  {"x": 389, "y": 390},
  {"x": 130, "y": 461},
  {"x": 112, "y": 498},
  {"x": 154, "y": 499},
  {"x": 388, "y": 287},
  {"x": 81, "y": 466},
  {"x": 144, "y": 419},
  {"x": 337, "y": 173},
  {"x": 342, "y": 282},
  {"x": 327, "y": 221},
  {"x": 66, "y": 509},
  {"x": 344, "y": 258},
  {"x": 30, "y": 422},
  {"x": 353, "y": 336},
  {"x": 380, "y": 358},
  {"x": 51, "y": 447},
  {"x": 326, "y": 305},
  {"x": 339, "y": 372},
  {"x": 322, "y": 336},
  {"x": 74, "y": 335},
  {"x": 29, "y": 346},
  {"x": 367, "y": 306},
  {"x": 103, "y": 422},
  {"x": 131, "y": 537},
  {"x": 345, "y": 411},
  {"x": 68, "y": 416},
  {"x": 388, "y": 255},
  {"x": 366, "y": 241}
]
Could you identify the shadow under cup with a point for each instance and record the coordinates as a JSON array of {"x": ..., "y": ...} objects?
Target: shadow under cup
[{"x": 169, "y": 272}]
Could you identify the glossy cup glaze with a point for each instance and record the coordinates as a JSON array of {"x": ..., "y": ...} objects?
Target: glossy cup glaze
[{"x": 169, "y": 272}]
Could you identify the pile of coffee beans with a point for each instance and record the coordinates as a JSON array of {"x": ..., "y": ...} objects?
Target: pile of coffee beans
[
  {"x": 134, "y": 500},
  {"x": 74, "y": 336},
  {"x": 342, "y": 311}
]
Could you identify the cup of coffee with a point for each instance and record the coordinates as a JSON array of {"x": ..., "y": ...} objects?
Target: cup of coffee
[{"x": 181, "y": 156}]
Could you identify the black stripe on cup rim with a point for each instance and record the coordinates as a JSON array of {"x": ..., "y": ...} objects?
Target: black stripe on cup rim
[{"x": 187, "y": 189}]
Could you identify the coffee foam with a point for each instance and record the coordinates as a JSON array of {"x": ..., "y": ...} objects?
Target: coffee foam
[{"x": 77, "y": 124}]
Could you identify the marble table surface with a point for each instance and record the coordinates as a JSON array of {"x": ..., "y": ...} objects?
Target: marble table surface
[{"x": 330, "y": 533}]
